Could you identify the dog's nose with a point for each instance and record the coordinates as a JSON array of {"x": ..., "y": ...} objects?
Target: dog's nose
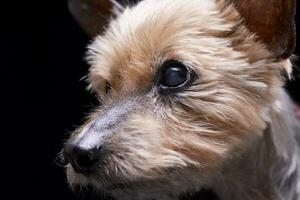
[{"x": 83, "y": 161}]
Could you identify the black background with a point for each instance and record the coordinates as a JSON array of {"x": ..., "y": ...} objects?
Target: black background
[{"x": 42, "y": 51}]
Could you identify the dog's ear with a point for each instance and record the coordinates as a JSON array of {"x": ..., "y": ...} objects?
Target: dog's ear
[
  {"x": 92, "y": 15},
  {"x": 272, "y": 21}
]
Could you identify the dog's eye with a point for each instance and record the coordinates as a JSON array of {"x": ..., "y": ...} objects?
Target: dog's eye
[
  {"x": 174, "y": 74},
  {"x": 107, "y": 88}
]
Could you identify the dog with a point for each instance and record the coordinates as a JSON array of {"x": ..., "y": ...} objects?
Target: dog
[{"x": 192, "y": 100}]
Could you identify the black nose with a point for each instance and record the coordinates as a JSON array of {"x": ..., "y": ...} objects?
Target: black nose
[{"x": 84, "y": 161}]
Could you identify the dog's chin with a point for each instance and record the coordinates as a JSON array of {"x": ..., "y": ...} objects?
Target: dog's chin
[
  {"x": 112, "y": 188},
  {"x": 91, "y": 186}
]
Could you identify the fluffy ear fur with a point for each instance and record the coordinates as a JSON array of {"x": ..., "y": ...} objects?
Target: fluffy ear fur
[
  {"x": 272, "y": 21},
  {"x": 93, "y": 15}
]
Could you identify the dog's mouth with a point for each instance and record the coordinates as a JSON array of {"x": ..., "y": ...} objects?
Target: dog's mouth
[
  {"x": 107, "y": 191},
  {"x": 88, "y": 187}
]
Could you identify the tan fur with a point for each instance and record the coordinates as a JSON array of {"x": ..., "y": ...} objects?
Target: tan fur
[{"x": 202, "y": 130}]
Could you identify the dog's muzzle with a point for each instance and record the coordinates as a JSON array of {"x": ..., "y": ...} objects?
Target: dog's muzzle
[{"x": 85, "y": 150}]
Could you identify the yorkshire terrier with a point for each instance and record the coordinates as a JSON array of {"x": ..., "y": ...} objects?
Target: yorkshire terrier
[{"x": 192, "y": 100}]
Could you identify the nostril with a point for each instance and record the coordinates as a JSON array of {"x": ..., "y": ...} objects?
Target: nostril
[{"x": 85, "y": 161}]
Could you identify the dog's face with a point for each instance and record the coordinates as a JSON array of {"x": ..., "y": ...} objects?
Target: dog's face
[{"x": 184, "y": 87}]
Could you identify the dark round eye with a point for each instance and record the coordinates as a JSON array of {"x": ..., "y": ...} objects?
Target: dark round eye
[
  {"x": 107, "y": 88},
  {"x": 174, "y": 74}
]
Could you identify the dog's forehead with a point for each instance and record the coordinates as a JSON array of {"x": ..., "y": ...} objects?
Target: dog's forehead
[{"x": 152, "y": 31}]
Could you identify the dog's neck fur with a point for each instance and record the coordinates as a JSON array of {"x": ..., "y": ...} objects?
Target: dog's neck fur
[{"x": 270, "y": 168}]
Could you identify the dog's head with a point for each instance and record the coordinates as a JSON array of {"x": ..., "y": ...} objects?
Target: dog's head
[{"x": 184, "y": 87}]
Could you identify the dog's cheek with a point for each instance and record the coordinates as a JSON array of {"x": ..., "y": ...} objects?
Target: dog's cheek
[
  {"x": 205, "y": 140},
  {"x": 143, "y": 149},
  {"x": 204, "y": 148}
]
